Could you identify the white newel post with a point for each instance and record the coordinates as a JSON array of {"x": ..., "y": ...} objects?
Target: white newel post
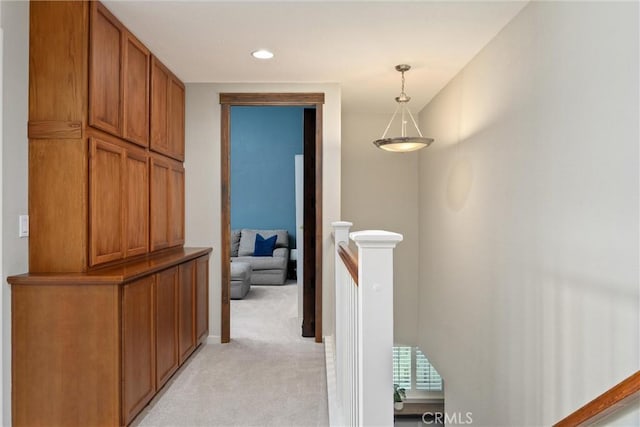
[
  {"x": 375, "y": 312},
  {"x": 340, "y": 234}
]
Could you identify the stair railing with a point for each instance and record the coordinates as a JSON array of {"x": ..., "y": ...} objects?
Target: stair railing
[
  {"x": 364, "y": 326},
  {"x": 617, "y": 397}
]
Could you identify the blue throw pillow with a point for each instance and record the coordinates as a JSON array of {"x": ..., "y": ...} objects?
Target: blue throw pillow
[{"x": 264, "y": 247}]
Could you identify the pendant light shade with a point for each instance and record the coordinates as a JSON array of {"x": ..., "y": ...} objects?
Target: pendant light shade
[{"x": 402, "y": 143}]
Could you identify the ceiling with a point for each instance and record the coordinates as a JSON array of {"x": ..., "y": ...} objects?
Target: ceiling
[{"x": 354, "y": 43}]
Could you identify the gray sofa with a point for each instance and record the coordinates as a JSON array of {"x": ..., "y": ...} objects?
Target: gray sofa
[{"x": 269, "y": 270}]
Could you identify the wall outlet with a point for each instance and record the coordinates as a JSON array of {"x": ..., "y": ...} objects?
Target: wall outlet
[{"x": 23, "y": 226}]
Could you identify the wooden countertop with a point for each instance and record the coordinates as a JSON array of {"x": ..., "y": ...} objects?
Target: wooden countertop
[{"x": 116, "y": 274}]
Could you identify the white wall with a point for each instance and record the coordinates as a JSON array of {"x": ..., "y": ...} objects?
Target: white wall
[
  {"x": 529, "y": 217},
  {"x": 15, "y": 80},
  {"x": 202, "y": 164},
  {"x": 380, "y": 191}
]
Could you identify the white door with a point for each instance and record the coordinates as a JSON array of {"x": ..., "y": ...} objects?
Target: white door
[{"x": 299, "y": 159}]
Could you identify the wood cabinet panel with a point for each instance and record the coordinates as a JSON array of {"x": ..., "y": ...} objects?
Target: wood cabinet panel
[
  {"x": 176, "y": 119},
  {"x": 159, "y": 213},
  {"x": 176, "y": 204},
  {"x": 58, "y": 61},
  {"x": 105, "y": 70},
  {"x": 167, "y": 112},
  {"x": 106, "y": 177},
  {"x": 58, "y": 238},
  {"x": 136, "y": 91},
  {"x": 65, "y": 355},
  {"x": 167, "y": 203},
  {"x": 202, "y": 298},
  {"x": 159, "y": 107},
  {"x": 186, "y": 304},
  {"x": 138, "y": 346},
  {"x": 167, "y": 359},
  {"x": 137, "y": 206}
]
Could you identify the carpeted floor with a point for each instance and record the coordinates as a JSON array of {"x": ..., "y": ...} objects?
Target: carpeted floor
[{"x": 267, "y": 376}]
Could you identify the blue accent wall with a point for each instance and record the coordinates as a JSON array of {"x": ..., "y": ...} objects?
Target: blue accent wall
[{"x": 264, "y": 141}]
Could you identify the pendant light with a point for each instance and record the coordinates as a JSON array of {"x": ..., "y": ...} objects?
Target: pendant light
[{"x": 402, "y": 143}]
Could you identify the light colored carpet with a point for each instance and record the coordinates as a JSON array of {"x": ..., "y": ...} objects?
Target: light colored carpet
[{"x": 267, "y": 376}]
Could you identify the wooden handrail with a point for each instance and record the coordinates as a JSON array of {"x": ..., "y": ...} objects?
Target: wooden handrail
[
  {"x": 350, "y": 260},
  {"x": 604, "y": 404}
]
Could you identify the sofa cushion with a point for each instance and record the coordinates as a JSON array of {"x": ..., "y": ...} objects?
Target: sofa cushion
[
  {"x": 235, "y": 242},
  {"x": 248, "y": 240},
  {"x": 264, "y": 247},
  {"x": 263, "y": 263}
]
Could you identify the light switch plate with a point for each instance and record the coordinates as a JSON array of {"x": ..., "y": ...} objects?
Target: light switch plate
[{"x": 23, "y": 226}]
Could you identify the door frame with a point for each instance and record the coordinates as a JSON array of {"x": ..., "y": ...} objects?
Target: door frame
[{"x": 228, "y": 100}]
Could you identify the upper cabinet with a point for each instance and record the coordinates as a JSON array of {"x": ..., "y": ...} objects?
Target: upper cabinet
[
  {"x": 166, "y": 203},
  {"x": 176, "y": 119},
  {"x": 99, "y": 104},
  {"x": 118, "y": 79},
  {"x": 167, "y": 112},
  {"x": 135, "y": 109},
  {"x": 118, "y": 200},
  {"x": 105, "y": 71}
]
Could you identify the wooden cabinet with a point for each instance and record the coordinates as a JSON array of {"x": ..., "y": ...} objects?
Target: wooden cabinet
[
  {"x": 135, "y": 106},
  {"x": 176, "y": 119},
  {"x": 94, "y": 348},
  {"x": 138, "y": 346},
  {"x": 90, "y": 109},
  {"x": 118, "y": 201},
  {"x": 159, "y": 107},
  {"x": 105, "y": 70},
  {"x": 186, "y": 309},
  {"x": 176, "y": 204},
  {"x": 106, "y": 177},
  {"x": 202, "y": 298},
  {"x": 93, "y": 343},
  {"x": 167, "y": 203},
  {"x": 167, "y": 359},
  {"x": 159, "y": 214},
  {"x": 137, "y": 203},
  {"x": 167, "y": 112},
  {"x": 118, "y": 79}
]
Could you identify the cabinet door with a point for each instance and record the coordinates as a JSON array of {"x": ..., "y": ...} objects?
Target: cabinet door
[
  {"x": 166, "y": 325},
  {"x": 176, "y": 204},
  {"x": 186, "y": 300},
  {"x": 159, "y": 213},
  {"x": 176, "y": 119},
  {"x": 202, "y": 298},
  {"x": 106, "y": 177},
  {"x": 105, "y": 78},
  {"x": 138, "y": 347},
  {"x": 135, "y": 107},
  {"x": 159, "y": 107},
  {"x": 137, "y": 206}
]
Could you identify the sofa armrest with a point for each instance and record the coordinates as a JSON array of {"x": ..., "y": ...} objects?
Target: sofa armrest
[{"x": 281, "y": 252}]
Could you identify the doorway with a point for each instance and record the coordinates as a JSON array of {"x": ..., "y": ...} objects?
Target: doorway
[{"x": 312, "y": 304}]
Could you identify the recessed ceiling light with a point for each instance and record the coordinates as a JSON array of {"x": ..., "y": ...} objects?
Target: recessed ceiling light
[{"x": 262, "y": 54}]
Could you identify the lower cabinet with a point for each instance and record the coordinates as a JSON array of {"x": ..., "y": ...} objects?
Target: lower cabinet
[
  {"x": 138, "y": 346},
  {"x": 202, "y": 298},
  {"x": 186, "y": 305},
  {"x": 95, "y": 348},
  {"x": 166, "y": 325}
]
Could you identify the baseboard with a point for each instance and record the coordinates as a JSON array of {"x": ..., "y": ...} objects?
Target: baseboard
[
  {"x": 213, "y": 339},
  {"x": 332, "y": 398}
]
